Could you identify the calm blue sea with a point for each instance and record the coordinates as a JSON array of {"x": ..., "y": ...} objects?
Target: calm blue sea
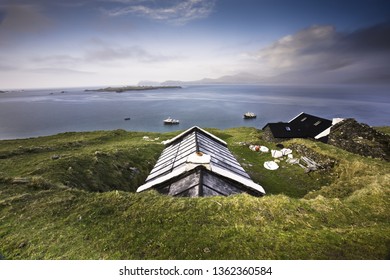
[{"x": 45, "y": 112}]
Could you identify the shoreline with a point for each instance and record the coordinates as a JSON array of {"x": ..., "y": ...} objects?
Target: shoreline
[{"x": 383, "y": 128}]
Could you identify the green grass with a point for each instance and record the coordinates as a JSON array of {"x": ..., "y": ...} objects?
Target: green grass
[
  {"x": 384, "y": 129},
  {"x": 96, "y": 161},
  {"x": 83, "y": 205}
]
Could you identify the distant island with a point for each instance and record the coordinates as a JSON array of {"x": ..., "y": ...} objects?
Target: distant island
[{"x": 131, "y": 88}]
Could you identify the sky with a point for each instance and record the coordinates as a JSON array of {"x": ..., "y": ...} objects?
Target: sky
[{"x": 56, "y": 43}]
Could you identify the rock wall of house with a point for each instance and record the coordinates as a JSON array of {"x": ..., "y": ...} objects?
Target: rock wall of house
[
  {"x": 360, "y": 139},
  {"x": 269, "y": 137}
]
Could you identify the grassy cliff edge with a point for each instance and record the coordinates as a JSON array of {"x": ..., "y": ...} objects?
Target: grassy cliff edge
[{"x": 72, "y": 196}]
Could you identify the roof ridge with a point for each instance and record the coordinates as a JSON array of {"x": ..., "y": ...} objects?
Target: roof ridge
[
  {"x": 297, "y": 116},
  {"x": 192, "y": 149},
  {"x": 188, "y": 131}
]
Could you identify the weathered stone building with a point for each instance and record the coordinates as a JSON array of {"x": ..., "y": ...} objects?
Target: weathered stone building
[{"x": 360, "y": 139}]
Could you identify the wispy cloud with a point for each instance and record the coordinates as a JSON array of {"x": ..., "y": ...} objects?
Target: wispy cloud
[
  {"x": 56, "y": 59},
  {"x": 176, "y": 12},
  {"x": 60, "y": 71},
  {"x": 98, "y": 50},
  {"x": 5, "y": 67}
]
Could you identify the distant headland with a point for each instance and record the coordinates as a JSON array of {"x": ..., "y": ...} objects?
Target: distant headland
[{"x": 131, "y": 88}]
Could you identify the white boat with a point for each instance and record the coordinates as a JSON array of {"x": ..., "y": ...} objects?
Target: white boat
[
  {"x": 171, "y": 121},
  {"x": 249, "y": 115}
]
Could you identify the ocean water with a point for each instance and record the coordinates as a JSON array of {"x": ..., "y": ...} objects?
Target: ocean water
[{"x": 32, "y": 113}]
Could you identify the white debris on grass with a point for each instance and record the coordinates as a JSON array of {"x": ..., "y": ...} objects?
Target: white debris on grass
[
  {"x": 286, "y": 151},
  {"x": 279, "y": 155},
  {"x": 276, "y": 154},
  {"x": 293, "y": 160},
  {"x": 264, "y": 149},
  {"x": 271, "y": 165},
  {"x": 258, "y": 148},
  {"x": 147, "y": 138}
]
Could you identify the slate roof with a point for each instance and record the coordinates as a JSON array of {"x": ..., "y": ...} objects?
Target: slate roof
[
  {"x": 302, "y": 126},
  {"x": 197, "y": 163}
]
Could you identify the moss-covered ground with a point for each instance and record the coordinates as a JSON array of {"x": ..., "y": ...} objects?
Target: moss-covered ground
[{"x": 72, "y": 196}]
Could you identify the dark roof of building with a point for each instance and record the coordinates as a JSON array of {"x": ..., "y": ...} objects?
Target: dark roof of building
[
  {"x": 286, "y": 130},
  {"x": 302, "y": 126},
  {"x": 197, "y": 163},
  {"x": 202, "y": 182}
]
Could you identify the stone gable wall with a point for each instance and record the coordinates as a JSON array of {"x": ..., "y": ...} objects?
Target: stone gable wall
[{"x": 360, "y": 139}]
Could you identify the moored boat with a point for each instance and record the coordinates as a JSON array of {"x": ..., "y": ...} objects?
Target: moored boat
[
  {"x": 249, "y": 115},
  {"x": 171, "y": 121}
]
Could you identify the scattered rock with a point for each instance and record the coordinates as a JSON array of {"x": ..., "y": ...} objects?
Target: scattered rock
[
  {"x": 100, "y": 153},
  {"x": 20, "y": 180},
  {"x": 55, "y": 157},
  {"x": 134, "y": 170},
  {"x": 22, "y": 244}
]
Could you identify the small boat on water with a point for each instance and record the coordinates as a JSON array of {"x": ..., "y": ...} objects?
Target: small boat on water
[
  {"x": 127, "y": 119},
  {"x": 171, "y": 121},
  {"x": 249, "y": 115}
]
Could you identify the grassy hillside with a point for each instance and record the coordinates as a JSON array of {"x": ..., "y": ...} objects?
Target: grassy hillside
[{"x": 71, "y": 196}]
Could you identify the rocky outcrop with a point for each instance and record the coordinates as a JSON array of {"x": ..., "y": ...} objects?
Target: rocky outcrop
[{"x": 360, "y": 139}]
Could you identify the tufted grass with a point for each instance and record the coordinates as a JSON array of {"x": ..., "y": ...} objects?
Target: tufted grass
[{"x": 83, "y": 205}]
